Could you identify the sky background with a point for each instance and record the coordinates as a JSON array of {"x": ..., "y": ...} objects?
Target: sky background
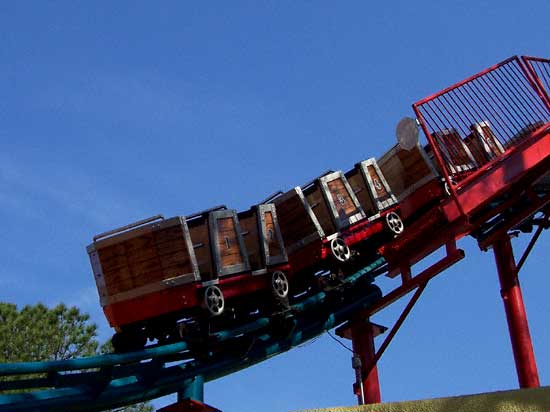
[{"x": 115, "y": 111}]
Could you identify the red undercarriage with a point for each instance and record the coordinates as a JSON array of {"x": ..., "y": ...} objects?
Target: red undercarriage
[{"x": 179, "y": 298}]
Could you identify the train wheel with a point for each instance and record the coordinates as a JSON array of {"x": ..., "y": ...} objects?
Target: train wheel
[
  {"x": 279, "y": 285},
  {"x": 394, "y": 222},
  {"x": 128, "y": 341},
  {"x": 214, "y": 301},
  {"x": 340, "y": 250}
]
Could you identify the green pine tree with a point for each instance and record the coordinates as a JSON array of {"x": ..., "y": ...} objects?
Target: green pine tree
[{"x": 37, "y": 333}]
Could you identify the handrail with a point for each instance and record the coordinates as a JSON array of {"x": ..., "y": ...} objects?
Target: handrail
[{"x": 128, "y": 227}]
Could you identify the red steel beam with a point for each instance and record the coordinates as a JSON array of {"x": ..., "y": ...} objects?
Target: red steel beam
[
  {"x": 453, "y": 256},
  {"x": 516, "y": 315},
  {"x": 531, "y": 244},
  {"x": 368, "y": 385},
  {"x": 372, "y": 365},
  {"x": 514, "y": 221}
]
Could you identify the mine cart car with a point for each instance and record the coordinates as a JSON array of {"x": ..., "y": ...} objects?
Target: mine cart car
[
  {"x": 415, "y": 181},
  {"x": 144, "y": 273},
  {"x": 324, "y": 224},
  {"x": 163, "y": 278},
  {"x": 378, "y": 201}
]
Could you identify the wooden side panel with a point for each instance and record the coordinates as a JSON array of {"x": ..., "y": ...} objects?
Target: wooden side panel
[
  {"x": 297, "y": 225},
  {"x": 359, "y": 187},
  {"x": 317, "y": 202},
  {"x": 228, "y": 248},
  {"x": 341, "y": 198},
  {"x": 377, "y": 187},
  {"x": 249, "y": 227},
  {"x": 476, "y": 148},
  {"x": 489, "y": 143},
  {"x": 406, "y": 170},
  {"x": 274, "y": 247},
  {"x": 149, "y": 258},
  {"x": 455, "y": 152},
  {"x": 380, "y": 190},
  {"x": 228, "y": 244},
  {"x": 343, "y": 206},
  {"x": 175, "y": 259},
  {"x": 198, "y": 230}
]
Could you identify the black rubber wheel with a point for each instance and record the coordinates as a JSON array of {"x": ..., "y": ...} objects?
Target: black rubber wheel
[{"x": 128, "y": 341}]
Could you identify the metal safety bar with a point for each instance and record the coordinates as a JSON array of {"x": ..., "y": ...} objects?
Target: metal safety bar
[
  {"x": 205, "y": 212},
  {"x": 477, "y": 120},
  {"x": 272, "y": 197},
  {"x": 128, "y": 227}
]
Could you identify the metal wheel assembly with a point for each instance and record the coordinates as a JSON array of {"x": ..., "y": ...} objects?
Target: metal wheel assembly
[
  {"x": 214, "y": 301},
  {"x": 394, "y": 222},
  {"x": 340, "y": 250},
  {"x": 128, "y": 341},
  {"x": 279, "y": 285}
]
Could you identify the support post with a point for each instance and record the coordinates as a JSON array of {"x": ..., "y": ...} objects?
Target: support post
[
  {"x": 191, "y": 398},
  {"x": 367, "y": 386},
  {"x": 194, "y": 390},
  {"x": 516, "y": 316}
]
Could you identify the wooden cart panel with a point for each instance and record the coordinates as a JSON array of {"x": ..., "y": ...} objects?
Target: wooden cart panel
[
  {"x": 483, "y": 143},
  {"x": 316, "y": 201},
  {"x": 455, "y": 151},
  {"x": 249, "y": 226},
  {"x": 343, "y": 206},
  {"x": 272, "y": 244},
  {"x": 199, "y": 232},
  {"x": 143, "y": 260},
  {"x": 407, "y": 170},
  {"x": 228, "y": 248},
  {"x": 299, "y": 225},
  {"x": 371, "y": 187},
  {"x": 262, "y": 237}
]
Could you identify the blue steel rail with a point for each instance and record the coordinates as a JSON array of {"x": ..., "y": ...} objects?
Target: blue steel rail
[{"x": 112, "y": 380}]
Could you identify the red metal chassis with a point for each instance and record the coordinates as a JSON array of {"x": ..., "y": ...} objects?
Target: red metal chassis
[{"x": 185, "y": 297}]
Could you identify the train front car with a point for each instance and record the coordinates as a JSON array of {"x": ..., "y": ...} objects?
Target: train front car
[{"x": 414, "y": 179}]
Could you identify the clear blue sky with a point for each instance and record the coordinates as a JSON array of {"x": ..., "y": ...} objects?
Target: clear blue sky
[{"x": 112, "y": 112}]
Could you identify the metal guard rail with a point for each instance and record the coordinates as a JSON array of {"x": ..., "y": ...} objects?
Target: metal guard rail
[
  {"x": 483, "y": 118},
  {"x": 539, "y": 68}
]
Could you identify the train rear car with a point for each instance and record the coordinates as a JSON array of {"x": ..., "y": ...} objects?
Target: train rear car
[{"x": 144, "y": 271}]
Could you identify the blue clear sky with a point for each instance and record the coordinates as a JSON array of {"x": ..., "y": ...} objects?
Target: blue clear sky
[{"x": 112, "y": 112}]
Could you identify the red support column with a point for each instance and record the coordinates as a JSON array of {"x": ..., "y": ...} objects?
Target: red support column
[
  {"x": 516, "y": 316},
  {"x": 367, "y": 386}
]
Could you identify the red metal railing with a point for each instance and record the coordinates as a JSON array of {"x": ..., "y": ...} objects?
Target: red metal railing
[
  {"x": 480, "y": 119},
  {"x": 539, "y": 69}
]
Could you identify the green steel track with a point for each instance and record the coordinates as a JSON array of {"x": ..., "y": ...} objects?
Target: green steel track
[{"x": 112, "y": 380}]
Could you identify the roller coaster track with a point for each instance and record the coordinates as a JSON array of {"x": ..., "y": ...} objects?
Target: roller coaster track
[
  {"x": 510, "y": 194},
  {"x": 106, "y": 381}
]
